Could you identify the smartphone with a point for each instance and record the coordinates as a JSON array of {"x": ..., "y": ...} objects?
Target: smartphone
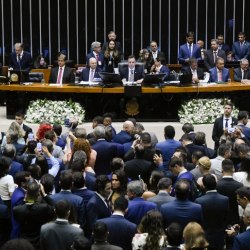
[
  {"x": 67, "y": 123},
  {"x": 39, "y": 146},
  {"x": 31, "y": 136}
]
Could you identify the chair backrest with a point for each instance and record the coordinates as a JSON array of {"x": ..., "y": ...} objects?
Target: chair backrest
[
  {"x": 123, "y": 65},
  {"x": 36, "y": 76}
]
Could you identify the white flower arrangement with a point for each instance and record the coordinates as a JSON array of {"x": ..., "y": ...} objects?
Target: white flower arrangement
[
  {"x": 203, "y": 111},
  {"x": 54, "y": 112}
]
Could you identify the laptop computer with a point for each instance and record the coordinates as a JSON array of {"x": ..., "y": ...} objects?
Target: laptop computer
[
  {"x": 18, "y": 76},
  {"x": 152, "y": 80},
  {"x": 110, "y": 80}
]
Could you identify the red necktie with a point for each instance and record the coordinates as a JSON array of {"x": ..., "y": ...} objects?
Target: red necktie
[{"x": 59, "y": 75}]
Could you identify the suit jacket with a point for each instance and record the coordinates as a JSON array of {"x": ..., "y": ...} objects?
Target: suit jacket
[
  {"x": 105, "y": 153},
  {"x": 76, "y": 201},
  {"x": 27, "y": 130},
  {"x": 240, "y": 53},
  {"x": 161, "y": 198},
  {"x": 3, "y": 210},
  {"x": 138, "y": 73},
  {"x": 184, "y": 53},
  {"x": 165, "y": 70},
  {"x": 85, "y": 193},
  {"x": 122, "y": 137},
  {"x": 122, "y": 237},
  {"x": 215, "y": 208},
  {"x": 136, "y": 167},
  {"x": 218, "y": 129},
  {"x": 246, "y": 131},
  {"x": 160, "y": 54},
  {"x": 238, "y": 74},
  {"x": 242, "y": 241},
  {"x": 104, "y": 246},
  {"x": 85, "y": 74},
  {"x": 17, "y": 198},
  {"x": 100, "y": 63},
  {"x": 31, "y": 217},
  {"x": 15, "y": 167},
  {"x": 25, "y": 62},
  {"x": 58, "y": 235},
  {"x": 209, "y": 58},
  {"x": 182, "y": 212},
  {"x": 137, "y": 208},
  {"x": 96, "y": 209},
  {"x": 225, "y": 47},
  {"x": 90, "y": 180},
  {"x": 187, "y": 71},
  {"x": 214, "y": 75},
  {"x": 227, "y": 186},
  {"x": 68, "y": 75}
]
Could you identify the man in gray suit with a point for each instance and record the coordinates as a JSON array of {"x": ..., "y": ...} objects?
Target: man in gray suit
[
  {"x": 164, "y": 186},
  {"x": 59, "y": 235}
]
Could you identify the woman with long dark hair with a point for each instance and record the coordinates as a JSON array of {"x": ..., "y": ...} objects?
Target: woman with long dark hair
[{"x": 111, "y": 57}]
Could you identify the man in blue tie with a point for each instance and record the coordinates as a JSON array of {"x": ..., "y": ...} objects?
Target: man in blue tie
[
  {"x": 188, "y": 50},
  {"x": 241, "y": 48}
]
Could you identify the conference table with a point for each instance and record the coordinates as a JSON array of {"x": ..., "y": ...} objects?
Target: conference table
[{"x": 172, "y": 96}]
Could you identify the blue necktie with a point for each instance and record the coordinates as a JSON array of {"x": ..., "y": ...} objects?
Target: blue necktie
[{"x": 190, "y": 50}]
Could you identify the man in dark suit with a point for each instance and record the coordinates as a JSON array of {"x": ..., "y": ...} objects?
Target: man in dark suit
[
  {"x": 215, "y": 209},
  {"x": 59, "y": 234},
  {"x": 100, "y": 235},
  {"x": 132, "y": 73},
  {"x": 112, "y": 37},
  {"x": 194, "y": 70},
  {"x": 181, "y": 210},
  {"x": 17, "y": 198},
  {"x": 90, "y": 73},
  {"x": 19, "y": 117},
  {"x": 164, "y": 186},
  {"x": 137, "y": 206},
  {"x": 189, "y": 50},
  {"x": 221, "y": 43},
  {"x": 159, "y": 68},
  {"x": 174, "y": 236},
  {"x": 139, "y": 166},
  {"x": 97, "y": 54},
  {"x": 242, "y": 241},
  {"x": 155, "y": 53},
  {"x": 98, "y": 206},
  {"x": 242, "y": 122},
  {"x": 32, "y": 215},
  {"x": 243, "y": 72},
  {"x": 227, "y": 186},
  {"x": 212, "y": 54},
  {"x": 223, "y": 123},
  {"x": 62, "y": 73},
  {"x": 106, "y": 151},
  {"x": 241, "y": 48},
  {"x": 122, "y": 237},
  {"x": 76, "y": 201},
  {"x": 20, "y": 59},
  {"x": 219, "y": 73}
]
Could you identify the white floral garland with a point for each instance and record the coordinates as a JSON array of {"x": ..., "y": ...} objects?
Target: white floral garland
[
  {"x": 203, "y": 111},
  {"x": 54, "y": 112}
]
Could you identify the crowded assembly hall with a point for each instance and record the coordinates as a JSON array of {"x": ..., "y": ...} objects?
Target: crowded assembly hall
[{"x": 67, "y": 186}]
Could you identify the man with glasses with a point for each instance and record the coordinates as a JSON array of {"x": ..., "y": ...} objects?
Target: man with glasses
[
  {"x": 243, "y": 72},
  {"x": 241, "y": 48}
]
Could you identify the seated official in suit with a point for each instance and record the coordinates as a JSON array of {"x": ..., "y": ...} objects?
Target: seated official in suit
[
  {"x": 91, "y": 72},
  {"x": 243, "y": 72},
  {"x": 219, "y": 73},
  {"x": 159, "y": 68},
  {"x": 189, "y": 49},
  {"x": 241, "y": 48},
  {"x": 132, "y": 73},
  {"x": 62, "y": 73},
  {"x": 155, "y": 52},
  {"x": 20, "y": 59},
  {"x": 212, "y": 54},
  {"x": 97, "y": 54},
  {"x": 193, "y": 69}
]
